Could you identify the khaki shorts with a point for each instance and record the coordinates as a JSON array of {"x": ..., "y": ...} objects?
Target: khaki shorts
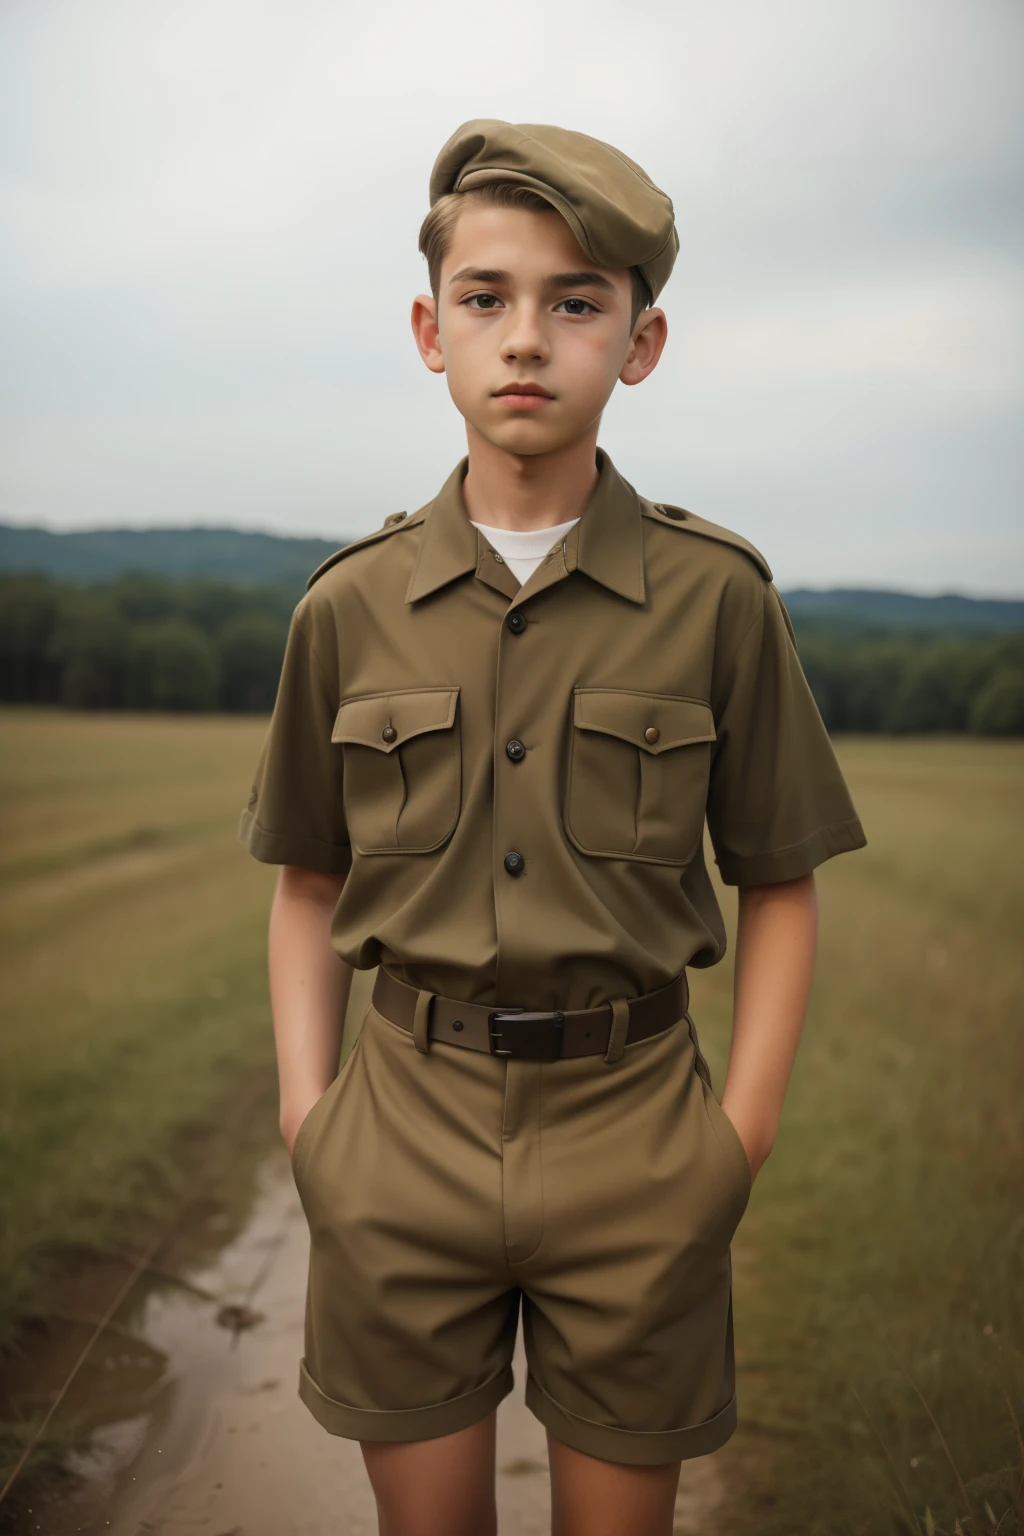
[{"x": 444, "y": 1188}]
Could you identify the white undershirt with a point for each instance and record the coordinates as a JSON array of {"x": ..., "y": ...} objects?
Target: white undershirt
[{"x": 523, "y": 550}]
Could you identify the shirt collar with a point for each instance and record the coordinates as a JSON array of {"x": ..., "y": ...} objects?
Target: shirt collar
[{"x": 606, "y": 544}]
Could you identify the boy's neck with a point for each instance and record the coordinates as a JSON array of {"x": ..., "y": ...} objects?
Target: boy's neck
[{"x": 522, "y": 492}]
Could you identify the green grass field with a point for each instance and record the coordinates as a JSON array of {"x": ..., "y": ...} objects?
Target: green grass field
[
  {"x": 885, "y": 1234},
  {"x": 883, "y": 1249},
  {"x": 132, "y": 952}
]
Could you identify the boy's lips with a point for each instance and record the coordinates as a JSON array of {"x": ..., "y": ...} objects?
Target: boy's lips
[{"x": 524, "y": 396}]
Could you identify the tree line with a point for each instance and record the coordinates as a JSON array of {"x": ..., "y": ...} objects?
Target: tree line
[
  {"x": 145, "y": 642},
  {"x": 915, "y": 683},
  {"x": 142, "y": 642}
]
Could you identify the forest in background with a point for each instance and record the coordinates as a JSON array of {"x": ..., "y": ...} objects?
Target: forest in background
[{"x": 142, "y": 641}]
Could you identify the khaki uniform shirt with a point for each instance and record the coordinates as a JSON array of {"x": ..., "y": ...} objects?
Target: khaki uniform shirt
[{"x": 516, "y": 779}]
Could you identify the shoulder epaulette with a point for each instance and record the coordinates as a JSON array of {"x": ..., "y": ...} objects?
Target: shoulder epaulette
[
  {"x": 678, "y": 517},
  {"x": 390, "y": 525}
]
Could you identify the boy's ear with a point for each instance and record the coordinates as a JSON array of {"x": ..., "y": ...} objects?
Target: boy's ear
[
  {"x": 425, "y": 330},
  {"x": 645, "y": 346}
]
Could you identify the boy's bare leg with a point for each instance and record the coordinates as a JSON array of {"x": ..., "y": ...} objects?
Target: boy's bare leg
[
  {"x": 442, "y": 1487},
  {"x": 604, "y": 1498}
]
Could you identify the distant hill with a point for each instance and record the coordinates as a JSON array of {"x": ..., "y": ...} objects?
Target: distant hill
[
  {"x": 868, "y": 608},
  {"x": 244, "y": 559},
  {"x": 222, "y": 554}
]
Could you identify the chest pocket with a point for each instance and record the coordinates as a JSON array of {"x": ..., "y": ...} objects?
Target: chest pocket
[
  {"x": 402, "y": 769},
  {"x": 639, "y": 767}
]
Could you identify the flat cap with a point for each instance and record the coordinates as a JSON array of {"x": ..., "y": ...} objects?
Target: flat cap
[{"x": 618, "y": 215}]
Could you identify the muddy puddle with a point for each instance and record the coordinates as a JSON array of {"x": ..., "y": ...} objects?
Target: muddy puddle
[{"x": 187, "y": 1408}]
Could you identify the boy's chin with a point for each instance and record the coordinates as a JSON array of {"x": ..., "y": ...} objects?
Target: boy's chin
[{"x": 523, "y": 438}]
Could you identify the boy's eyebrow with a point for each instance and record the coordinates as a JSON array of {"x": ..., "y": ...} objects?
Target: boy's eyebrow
[
  {"x": 580, "y": 280},
  {"x": 480, "y": 275},
  {"x": 560, "y": 279}
]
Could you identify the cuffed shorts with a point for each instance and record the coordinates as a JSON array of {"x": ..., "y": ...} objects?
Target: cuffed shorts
[{"x": 445, "y": 1189}]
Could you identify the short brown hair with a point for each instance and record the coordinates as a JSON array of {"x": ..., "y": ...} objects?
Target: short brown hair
[{"x": 436, "y": 230}]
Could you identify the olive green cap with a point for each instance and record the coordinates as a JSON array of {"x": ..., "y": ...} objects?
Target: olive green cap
[{"x": 618, "y": 215}]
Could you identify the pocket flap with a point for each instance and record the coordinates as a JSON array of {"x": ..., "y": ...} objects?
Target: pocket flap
[
  {"x": 385, "y": 720},
  {"x": 654, "y": 722}
]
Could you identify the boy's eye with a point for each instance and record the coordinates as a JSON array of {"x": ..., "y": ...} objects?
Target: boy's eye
[
  {"x": 483, "y": 301},
  {"x": 576, "y": 306}
]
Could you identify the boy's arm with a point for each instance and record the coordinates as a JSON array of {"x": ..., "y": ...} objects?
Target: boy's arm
[
  {"x": 309, "y": 987},
  {"x": 775, "y": 947}
]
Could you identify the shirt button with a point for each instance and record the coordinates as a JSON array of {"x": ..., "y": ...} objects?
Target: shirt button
[
  {"x": 388, "y": 733},
  {"x": 651, "y": 734},
  {"x": 515, "y": 863},
  {"x": 516, "y": 621},
  {"x": 515, "y": 750},
  {"x": 498, "y": 559}
]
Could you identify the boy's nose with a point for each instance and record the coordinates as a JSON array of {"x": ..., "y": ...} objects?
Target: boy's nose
[{"x": 524, "y": 340}]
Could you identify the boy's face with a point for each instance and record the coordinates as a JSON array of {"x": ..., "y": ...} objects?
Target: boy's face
[{"x": 520, "y": 304}]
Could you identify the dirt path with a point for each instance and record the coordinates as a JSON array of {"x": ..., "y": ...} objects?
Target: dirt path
[{"x": 226, "y": 1447}]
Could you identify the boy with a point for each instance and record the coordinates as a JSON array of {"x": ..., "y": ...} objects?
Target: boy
[{"x": 501, "y": 724}]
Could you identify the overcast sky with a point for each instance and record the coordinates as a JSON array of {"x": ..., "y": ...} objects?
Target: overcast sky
[{"x": 208, "y": 222}]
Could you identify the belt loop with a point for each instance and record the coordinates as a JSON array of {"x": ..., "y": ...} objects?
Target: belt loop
[
  {"x": 619, "y": 1030},
  {"x": 421, "y": 1021}
]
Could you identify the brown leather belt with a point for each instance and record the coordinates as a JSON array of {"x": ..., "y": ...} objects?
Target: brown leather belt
[{"x": 524, "y": 1034}]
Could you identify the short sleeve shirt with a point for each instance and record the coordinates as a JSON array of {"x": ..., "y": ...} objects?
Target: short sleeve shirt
[{"x": 516, "y": 780}]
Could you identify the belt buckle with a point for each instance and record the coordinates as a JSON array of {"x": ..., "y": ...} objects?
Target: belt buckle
[{"x": 532, "y": 1037}]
